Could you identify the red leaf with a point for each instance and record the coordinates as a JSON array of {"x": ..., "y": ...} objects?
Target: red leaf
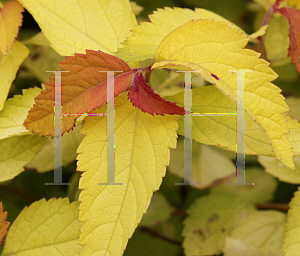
[
  {"x": 143, "y": 96},
  {"x": 84, "y": 89},
  {"x": 3, "y": 224},
  {"x": 293, "y": 16}
]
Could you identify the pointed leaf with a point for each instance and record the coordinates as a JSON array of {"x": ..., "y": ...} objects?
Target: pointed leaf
[
  {"x": 45, "y": 228},
  {"x": 143, "y": 96},
  {"x": 145, "y": 38},
  {"x": 74, "y": 26},
  {"x": 142, "y": 150},
  {"x": 211, "y": 100},
  {"x": 220, "y": 213},
  {"x": 3, "y": 224},
  {"x": 18, "y": 151},
  {"x": 291, "y": 245},
  {"x": 15, "y": 112},
  {"x": 220, "y": 50},
  {"x": 293, "y": 16},
  {"x": 9, "y": 66},
  {"x": 10, "y": 21},
  {"x": 84, "y": 89}
]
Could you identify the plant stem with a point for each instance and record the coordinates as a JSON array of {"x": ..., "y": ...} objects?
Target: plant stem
[
  {"x": 273, "y": 206},
  {"x": 19, "y": 194},
  {"x": 155, "y": 234}
]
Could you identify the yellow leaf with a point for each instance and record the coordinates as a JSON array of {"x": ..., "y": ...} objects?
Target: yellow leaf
[
  {"x": 142, "y": 141},
  {"x": 215, "y": 48},
  {"x": 10, "y": 21},
  {"x": 291, "y": 244},
  {"x": 16, "y": 152},
  {"x": 45, "y": 228},
  {"x": 74, "y": 26},
  {"x": 9, "y": 66},
  {"x": 15, "y": 112},
  {"x": 271, "y": 164},
  {"x": 260, "y": 32},
  {"x": 146, "y": 37},
  {"x": 211, "y": 100}
]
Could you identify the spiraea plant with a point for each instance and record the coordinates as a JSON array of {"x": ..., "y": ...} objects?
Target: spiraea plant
[{"x": 94, "y": 47}]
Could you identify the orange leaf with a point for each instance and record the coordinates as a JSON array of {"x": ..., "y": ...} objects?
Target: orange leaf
[
  {"x": 84, "y": 89},
  {"x": 293, "y": 16},
  {"x": 10, "y": 21},
  {"x": 143, "y": 96},
  {"x": 3, "y": 224}
]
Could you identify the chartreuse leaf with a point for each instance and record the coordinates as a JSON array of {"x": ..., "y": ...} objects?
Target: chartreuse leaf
[
  {"x": 3, "y": 223},
  {"x": 9, "y": 66},
  {"x": 38, "y": 39},
  {"x": 15, "y": 112},
  {"x": 211, "y": 100},
  {"x": 16, "y": 152},
  {"x": 235, "y": 247},
  {"x": 145, "y": 38},
  {"x": 291, "y": 245},
  {"x": 220, "y": 50},
  {"x": 293, "y": 16},
  {"x": 44, "y": 160},
  {"x": 264, "y": 230},
  {"x": 205, "y": 170},
  {"x": 137, "y": 9},
  {"x": 112, "y": 212},
  {"x": 276, "y": 40},
  {"x": 45, "y": 228},
  {"x": 143, "y": 243},
  {"x": 74, "y": 26},
  {"x": 220, "y": 213},
  {"x": 263, "y": 190},
  {"x": 10, "y": 21},
  {"x": 47, "y": 61},
  {"x": 83, "y": 89},
  {"x": 158, "y": 211}
]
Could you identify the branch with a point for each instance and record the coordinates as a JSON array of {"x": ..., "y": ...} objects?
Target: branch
[
  {"x": 155, "y": 234},
  {"x": 273, "y": 206},
  {"x": 19, "y": 193}
]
